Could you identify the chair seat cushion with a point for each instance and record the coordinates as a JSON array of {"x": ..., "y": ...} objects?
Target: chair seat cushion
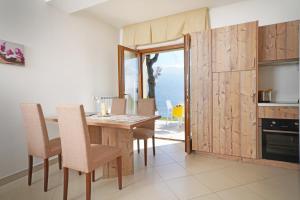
[
  {"x": 102, "y": 154},
  {"x": 54, "y": 147},
  {"x": 143, "y": 133}
]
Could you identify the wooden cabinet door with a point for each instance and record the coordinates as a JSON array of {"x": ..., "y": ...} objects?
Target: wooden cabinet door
[
  {"x": 279, "y": 41},
  {"x": 267, "y": 43},
  {"x": 201, "y": 91},
  {"x": 234, "y": 47},
  {"x": 234, "y": 113},
  {"x": 287, "y": 40}
]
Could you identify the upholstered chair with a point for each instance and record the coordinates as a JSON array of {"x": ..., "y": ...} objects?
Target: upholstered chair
[
  {"x": 118, "y": 106},
  {"x": 145, "y": 107},
  {"x": 78, "y": 153},
  {"x": 38, "y": 143}
]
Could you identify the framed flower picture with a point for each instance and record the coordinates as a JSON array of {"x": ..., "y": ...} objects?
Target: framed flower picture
[{"x": 11, "y": 53}]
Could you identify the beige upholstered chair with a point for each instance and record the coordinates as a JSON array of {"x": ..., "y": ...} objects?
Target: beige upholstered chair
[
  {"x": 78, "y": 153},
  {"x": 38, "y": 143},
  {"x": 118, "y": 107},
  {"x": 145, "y": 107}
]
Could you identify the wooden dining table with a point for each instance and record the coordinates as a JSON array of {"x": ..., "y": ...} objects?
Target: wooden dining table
[{"x": 117, "y": 131}]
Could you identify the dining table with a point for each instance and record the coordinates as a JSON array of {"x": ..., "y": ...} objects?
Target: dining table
[{"x": 116, "y": 131}]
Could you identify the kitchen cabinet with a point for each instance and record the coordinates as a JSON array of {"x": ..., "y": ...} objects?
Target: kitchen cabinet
[
  {"x": 279, "y": 42},
  {"x": 223, "y": 90},
  {"x": 234, "y": 47}
]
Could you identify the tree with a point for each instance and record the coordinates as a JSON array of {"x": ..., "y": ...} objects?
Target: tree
[{"x": 151, "y": 76}]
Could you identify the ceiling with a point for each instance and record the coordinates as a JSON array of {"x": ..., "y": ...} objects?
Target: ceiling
[{"x": 119, "y": 13}]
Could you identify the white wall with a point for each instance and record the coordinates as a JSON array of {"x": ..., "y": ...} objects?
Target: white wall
[
  {"x": 282, "y": 79},
  {"x": 265, "y": 11},
  {"x": 69, "y": 58}
]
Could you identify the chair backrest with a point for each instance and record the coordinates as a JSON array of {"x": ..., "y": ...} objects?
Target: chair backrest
[
  {"x": 36, "y": 130},
  {"x": 75, "y": 141},
  {"x": 118, "y": 106},
  {"x": 146, "y": 107}
]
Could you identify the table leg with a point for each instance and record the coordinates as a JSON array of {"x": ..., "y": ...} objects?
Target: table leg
[{"x": 123, "y": 139}]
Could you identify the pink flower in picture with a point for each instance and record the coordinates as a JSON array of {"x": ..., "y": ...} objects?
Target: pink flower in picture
[
  {"x": 3, "y": 47},
  {"x": 19, "y": 55},
  {"x": 9, "y": 52}
]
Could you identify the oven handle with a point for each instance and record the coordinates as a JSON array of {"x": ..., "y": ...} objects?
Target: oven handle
[{"x": 277, "y": 131}]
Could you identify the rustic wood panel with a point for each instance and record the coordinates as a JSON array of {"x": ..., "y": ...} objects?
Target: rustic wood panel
[
  {"x": 234, "y": 47},
  {"x": 267, "y": 40},
  {"x": 292, "y": 44},
  {"x": 279, "y": 41},
  {"x": 234, "y": 113},
  {"x": 247, "y": 46},
  {"x": 123, "y": 139},
  {"x": 248, "y": 118},
  {"x": 224, "y": 48},
  {"x": 278, "y": 112},
  {"x": 287, "y": 40},
  {"x": 201, "y": 91},
  {"x": 226, "y": 113}
]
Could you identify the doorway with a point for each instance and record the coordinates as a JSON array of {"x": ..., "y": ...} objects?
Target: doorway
[
  {"x": 139, "y": 57},
  {"x": 163, "y": 80}
]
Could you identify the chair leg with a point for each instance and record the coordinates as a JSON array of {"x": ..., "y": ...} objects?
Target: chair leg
[
  {"x": 153, "y": 144},
  {"x": 138, "y": 145},
  {"x": 59, "y": 161},
  {"x": 119, "y": 168},
  {"x": 46, "y": 172},
  {"x": 66, "y": 182},
  {"x": 88, "y": 185},
  {"x": 145, "y": 151},
  {"x": 30, "y": 163},
  {"x": 93, "y": 176}
]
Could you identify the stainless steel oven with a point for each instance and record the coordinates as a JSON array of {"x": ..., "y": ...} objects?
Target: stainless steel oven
[{"x": 280, "y": 139}]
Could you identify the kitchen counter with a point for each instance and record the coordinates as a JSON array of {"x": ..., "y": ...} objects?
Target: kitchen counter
[{"x": 279, "y": 104}]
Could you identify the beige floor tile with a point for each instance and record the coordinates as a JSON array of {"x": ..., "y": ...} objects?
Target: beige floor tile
[
  {"x": 187, "y": 187},
  {"x": 241, "y": 174},
  {"x": 277, "y": 188},
  {"x": 145, "y": 176},
  {"x": 239, "y": 193},
  {"x": 179, "y": 155},
  {"x": 216, "y": 180},
  {"x": 171, "y": 171},
  {"x": 158, "y": 191},
  {"x": 208, "y": 197},
  {"x": 160, "y": 160},
  {"x": 195, "y": 166}
]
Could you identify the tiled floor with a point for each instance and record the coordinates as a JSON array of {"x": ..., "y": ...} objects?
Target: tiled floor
[{"x": 171, "y": 175}]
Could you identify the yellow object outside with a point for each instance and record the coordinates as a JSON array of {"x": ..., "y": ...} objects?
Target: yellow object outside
[{"x": 178, "y": 111}]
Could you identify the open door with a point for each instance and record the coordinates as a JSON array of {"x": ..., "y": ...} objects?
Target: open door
[
  {"x": 129, "y": 77},
  {"x": 188, "y": 138}
]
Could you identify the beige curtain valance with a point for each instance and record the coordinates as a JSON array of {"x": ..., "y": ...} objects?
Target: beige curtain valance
[{"x": 166, "y": 28}]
